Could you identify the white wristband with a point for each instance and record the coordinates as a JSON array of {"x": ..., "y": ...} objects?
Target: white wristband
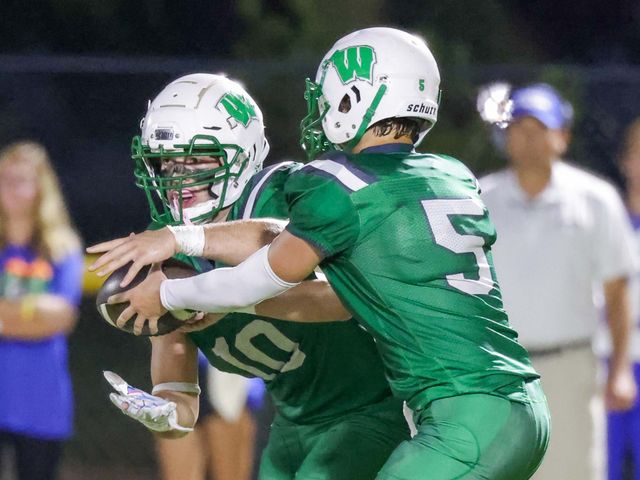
[
  {"x": 183, "y": 387},
  {"x": 190, "y": 239}
]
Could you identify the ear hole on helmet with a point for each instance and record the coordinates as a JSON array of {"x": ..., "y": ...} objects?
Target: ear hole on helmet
[{"x": 345, "y": 104}]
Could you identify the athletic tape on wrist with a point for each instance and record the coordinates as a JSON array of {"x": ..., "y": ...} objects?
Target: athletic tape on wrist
[
  {"x": 183, "y": 387},
  {"x": 190, "y": 239}
]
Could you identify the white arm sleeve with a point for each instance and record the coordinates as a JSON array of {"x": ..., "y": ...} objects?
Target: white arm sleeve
[{"x": 225, "y": 289}]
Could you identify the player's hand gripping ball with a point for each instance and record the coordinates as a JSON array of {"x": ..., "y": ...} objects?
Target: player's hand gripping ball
[{"x": 169, "y": 322}]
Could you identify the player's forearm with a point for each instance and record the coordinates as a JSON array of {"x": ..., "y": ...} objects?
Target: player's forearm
[
  {"x": 187, "y": 408},
  {"x": 225, "y": 289},
  {"x": 233, "y": 242},
  {"x": 36, "y": 317},
  {"x": 619, "y": 320},
  {"x": 174, "y": 359},
  {"x": 311, "y": 301}
]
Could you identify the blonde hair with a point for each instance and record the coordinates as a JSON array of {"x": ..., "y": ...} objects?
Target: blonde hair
[{"x": 54, "y": 235}]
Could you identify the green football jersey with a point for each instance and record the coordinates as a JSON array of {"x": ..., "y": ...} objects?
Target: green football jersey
[
  {"x": 406, "y": 243},
  {"x": 314, "y": 372}
]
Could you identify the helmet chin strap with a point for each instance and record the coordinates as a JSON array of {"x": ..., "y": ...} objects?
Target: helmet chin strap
[
  {"x": 186, "y": 219},
  {"x": 176, "y": 210},
  {"x": 197, "y": 214}
]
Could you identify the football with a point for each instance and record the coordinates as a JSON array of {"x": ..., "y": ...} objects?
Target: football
[{"x": 167, "y": 323}]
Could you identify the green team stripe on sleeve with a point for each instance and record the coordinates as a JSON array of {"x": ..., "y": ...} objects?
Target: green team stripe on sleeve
[
  {"x": 340, "y": 172},
  {"x": 247, "y": 210}
]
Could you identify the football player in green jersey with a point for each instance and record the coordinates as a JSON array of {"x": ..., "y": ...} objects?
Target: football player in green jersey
[
  {"x": 199, "y": 160},
  {"x": 405, "y": 241}
]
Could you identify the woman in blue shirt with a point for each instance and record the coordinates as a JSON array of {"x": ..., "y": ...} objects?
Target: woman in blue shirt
[{"x": 40, "y": 288}]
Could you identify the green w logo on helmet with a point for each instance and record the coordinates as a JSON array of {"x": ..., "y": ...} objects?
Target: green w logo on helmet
[
  {"x": 240, "y": 109},
  {"x": 354, "y": 63}
]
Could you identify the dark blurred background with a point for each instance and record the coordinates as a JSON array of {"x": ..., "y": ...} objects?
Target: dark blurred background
[{"x": 77, "y": 74}]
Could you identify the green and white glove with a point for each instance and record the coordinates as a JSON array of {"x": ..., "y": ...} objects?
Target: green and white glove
[{"x": 155, "y": 413}]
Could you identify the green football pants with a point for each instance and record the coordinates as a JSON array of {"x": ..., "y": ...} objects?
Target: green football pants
[
  {"x": 475, "y": 436},
  {"x": 352, "y": 447}
]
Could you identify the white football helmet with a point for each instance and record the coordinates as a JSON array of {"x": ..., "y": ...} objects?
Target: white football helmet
[
  {"x": 198, "y": 115},
  {"x": 368, "y": 76}
]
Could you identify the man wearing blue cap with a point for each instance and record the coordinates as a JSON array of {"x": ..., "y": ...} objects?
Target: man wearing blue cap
[{"x": 563, "y": 238}]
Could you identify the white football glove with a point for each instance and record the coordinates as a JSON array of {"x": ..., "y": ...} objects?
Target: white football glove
[{"x": 153, "y": 412}]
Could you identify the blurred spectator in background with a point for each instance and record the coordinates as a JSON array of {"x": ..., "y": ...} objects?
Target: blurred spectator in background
[
  {"x": 563, "y": 236},
  {"x": 40, "y": 288},
  {"x": 623, "y": 428},
  {"x": 223, "y": 439}
]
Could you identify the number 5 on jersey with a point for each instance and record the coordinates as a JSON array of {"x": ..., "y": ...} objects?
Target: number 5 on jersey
[{"x": 439, "y": 215}]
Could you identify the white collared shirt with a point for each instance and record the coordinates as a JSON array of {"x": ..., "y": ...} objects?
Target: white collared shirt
[
  {"x": 602, "y": 344},
  {"x": 553, "y": 252}
]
